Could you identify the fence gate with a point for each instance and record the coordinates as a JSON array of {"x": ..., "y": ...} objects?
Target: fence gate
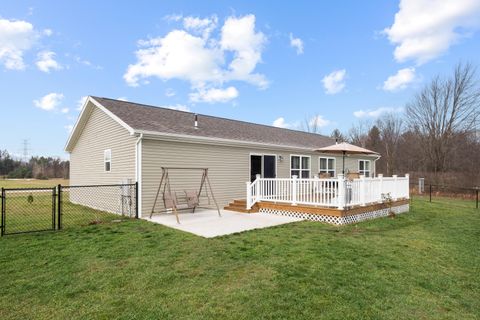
[{"x": 28, "y": 210}]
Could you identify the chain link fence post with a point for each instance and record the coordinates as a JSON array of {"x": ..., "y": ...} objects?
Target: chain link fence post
[
  {"x": 136, "y": 200},
  {"x": 2, "y": 228},
  {"x": 59, "y": 207}
]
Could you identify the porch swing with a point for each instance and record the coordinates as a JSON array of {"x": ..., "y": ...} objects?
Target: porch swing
[{"x": 171, "y": 200}]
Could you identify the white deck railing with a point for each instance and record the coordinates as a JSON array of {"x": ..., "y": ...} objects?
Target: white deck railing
[{"x": 338, "y": 193}]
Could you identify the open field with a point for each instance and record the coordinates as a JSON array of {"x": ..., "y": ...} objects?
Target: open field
[
  {"x": 32, "y": 183},
  {"x": 420, "y": 265}
]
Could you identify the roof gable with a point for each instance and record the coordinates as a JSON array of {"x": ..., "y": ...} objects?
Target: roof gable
[{"x": 82, "y": 119}]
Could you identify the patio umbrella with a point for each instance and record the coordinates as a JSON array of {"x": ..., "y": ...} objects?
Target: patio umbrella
[{"x": 344, "y": 149}]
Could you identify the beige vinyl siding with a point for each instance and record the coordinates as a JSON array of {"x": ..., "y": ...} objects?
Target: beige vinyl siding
[
  {"x": 229, "y": 168},
  {"x": 101, "y": 132}
]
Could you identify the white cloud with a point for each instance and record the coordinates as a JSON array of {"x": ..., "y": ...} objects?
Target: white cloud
[
  {"x": 173, "y": 17},
  {"x": 46, "y": 62},
  {"x": 69, "y": 127},
  {"x": 200, "y": 26},
  {"x": 335, "y": 81},
  {"x": 400, "y": 80},
  {"x": 179, "y": 107},
  {"x": 87, "y": 63},
  {"x": 239, "y": 36},
  {"x": 178, "y": 55},
  {"x": 376, "y": 112},
  {"x": 81, "y": 102},
  {"x": 296, "y": 43},
  {"x": 64, "y": 110},
  {"x": 49, "y": 102},
  {"x": 204, "y": 61},
  {"x": 122, "y": 98},
  {"x": 16, "y": 37},
  {"x": 170, "y": 92},
  {"x": 314, "y": 122},
  {"x": 47, "y": 32},
  {"x": 214, "y": 95},
  {"x": 425, "y": 29},
  {"x": 318, "y": 122},
  {"x": 280, "y": 123}
]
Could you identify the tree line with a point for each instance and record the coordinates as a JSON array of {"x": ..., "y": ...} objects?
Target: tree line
[
  {"x": 436, "y": 137},
  {"x": 36, "y": 167}
]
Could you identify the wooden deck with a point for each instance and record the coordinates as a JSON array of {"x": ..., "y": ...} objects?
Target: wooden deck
[{"x": 240, "y": 206}]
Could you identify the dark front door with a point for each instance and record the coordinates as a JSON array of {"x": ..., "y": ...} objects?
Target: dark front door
[
  {"x": 264, "y": 165},
  {"x": 255, "y": 166},
  {"x": 269, "y": 168}
]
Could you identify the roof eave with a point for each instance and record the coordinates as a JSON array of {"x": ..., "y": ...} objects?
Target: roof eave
[{"x": 215, "y": 141}]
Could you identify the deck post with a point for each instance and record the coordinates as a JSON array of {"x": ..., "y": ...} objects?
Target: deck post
[
  {"x": 395, "y": 187},
  {"x": 294, "y": 190},
  {"x": 341, "y": 191},
  {"x": 407, "y": 186},
  {"x": 249, "y": 195},
  {"x": 380, "y": 178},
  {"x": 363, "y": 190}
]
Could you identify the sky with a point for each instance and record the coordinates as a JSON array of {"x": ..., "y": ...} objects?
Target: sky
[{"x": 330, "y": 62}]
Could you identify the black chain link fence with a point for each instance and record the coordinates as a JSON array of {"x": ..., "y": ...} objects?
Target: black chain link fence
[
  {"x": 28, "y": 210},
  {"x": 448, "y": 195},
  {"x": 41, "y": 209}
]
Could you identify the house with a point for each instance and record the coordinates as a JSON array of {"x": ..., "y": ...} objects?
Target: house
[{"x": 115, "y": 141}]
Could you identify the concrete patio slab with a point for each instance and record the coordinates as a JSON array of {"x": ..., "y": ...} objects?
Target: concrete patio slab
[{"x": 207, "y": 223}]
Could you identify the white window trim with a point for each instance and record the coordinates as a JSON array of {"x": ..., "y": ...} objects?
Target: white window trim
[
  {"x": 105, "y": 160},
  {"x": 301, "y": 169},
  {"x": 369, "y": 167},
  {"x": 334, "y": 169}
]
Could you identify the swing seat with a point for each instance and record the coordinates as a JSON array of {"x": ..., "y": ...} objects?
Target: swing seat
[
  {"x": 192, "y": 198},
  {"x": 169, "y": 201}
]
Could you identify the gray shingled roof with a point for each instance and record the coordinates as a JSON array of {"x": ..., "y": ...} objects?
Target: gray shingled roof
[{"x": 162, "y": 120}]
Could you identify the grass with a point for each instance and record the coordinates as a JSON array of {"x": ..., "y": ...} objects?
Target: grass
[
  {"x": 32, "y": 183},
  {"x": 420, "y": 265},
  {"x": 23, "y": 215}
]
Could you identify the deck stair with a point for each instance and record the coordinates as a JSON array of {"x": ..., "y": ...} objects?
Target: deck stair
[{"x": 240, "y": 206}]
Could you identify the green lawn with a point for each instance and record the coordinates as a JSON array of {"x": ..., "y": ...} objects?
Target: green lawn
[
  {"x": 32, "y": 183},
  {"x": 23, "y": 215},
  {"x": 421, "y": 265}
]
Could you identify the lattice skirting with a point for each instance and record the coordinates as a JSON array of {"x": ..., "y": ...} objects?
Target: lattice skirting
[{"x": 339, "y": 220}]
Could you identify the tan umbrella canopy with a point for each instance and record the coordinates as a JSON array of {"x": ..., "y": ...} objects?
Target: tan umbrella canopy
[{"x": 344, "y": 149}]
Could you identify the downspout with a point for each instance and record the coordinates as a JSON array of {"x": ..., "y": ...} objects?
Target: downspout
[
  {"x": 375, "y": 166},
  {"x": 138, "y": 171}
]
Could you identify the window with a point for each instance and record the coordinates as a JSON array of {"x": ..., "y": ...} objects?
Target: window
[
  {"x": 327, "y": 165},
  {"x": 364, "y": 167},
  {"x": 107, "y": 160},
  {"x": 300, "y": 166}
]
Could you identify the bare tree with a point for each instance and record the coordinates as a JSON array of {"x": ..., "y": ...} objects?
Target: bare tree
[
  {"x": 390, "y": 127},
  {"x": 445, "y": 106},
  {"x": 358, "y": 134},
  {"x": 338, "y": 136},
  {"x": 313, "y": 124}
]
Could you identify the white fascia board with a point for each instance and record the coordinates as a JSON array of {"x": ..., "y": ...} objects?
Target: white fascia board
[
  {"x": 114, "y": 117},
  {"x": 83, "y": 113},
  {"x": 75, "y": 127}
]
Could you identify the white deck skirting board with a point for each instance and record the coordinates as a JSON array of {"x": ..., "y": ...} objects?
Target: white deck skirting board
[{"x": 207, "y": 223}]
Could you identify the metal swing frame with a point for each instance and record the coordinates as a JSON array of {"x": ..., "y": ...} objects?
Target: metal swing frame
[{"x": 165, "y": 183}]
